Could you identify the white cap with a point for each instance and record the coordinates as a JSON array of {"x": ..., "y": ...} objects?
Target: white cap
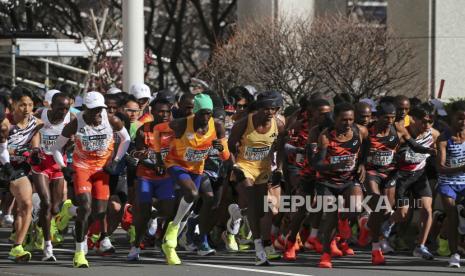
[
  {"x": 140, "y": 91},
  {"x": 94, "y": 99},
  {"x": 439, "y": 107},
  {"x": 49, "y": 95},
  {"x": 78, "y": 101},
  {"x": 114, "y": 90},
  {"x": 370, "y": 102}
]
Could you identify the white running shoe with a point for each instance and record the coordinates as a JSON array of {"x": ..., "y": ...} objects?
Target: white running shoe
[
  {"x": 133, "y": 255},
  {"x": 8, "y": 220},
  {"x": 260, "y": 254},
  {"x": 386, "y": 247},
  {"x": 454, "y": 260},
  {"x": 234, "y": 221},
  {"x": 105, "y": 247},
  {"x": 461, "y": 226},
  {"x": 48, "y": 255}
]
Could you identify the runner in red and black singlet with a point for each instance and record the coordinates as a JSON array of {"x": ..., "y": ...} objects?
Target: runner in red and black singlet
[{"x": 339, "y": 166}]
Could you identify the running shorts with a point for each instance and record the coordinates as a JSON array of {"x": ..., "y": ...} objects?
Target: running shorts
[
  {"x": 95, "y": 182},
  {"x": 161, "y": 189},
  {"x": 411, "y": 182},
  {"x": 49, "y": 168}
]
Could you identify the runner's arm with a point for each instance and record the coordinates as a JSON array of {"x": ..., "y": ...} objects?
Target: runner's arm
[
  {"x": 68, "y": 131},
  {"x": 122, "y": 132},
  {"x": 405, "y": 136},
  {"x": 280, "y": 145},
  {"x": 318, "y": 159},
  {"x": 237, "y": 131},
  {"x": 140, "y": 144},
  {"x": 178, "y": 126},
  {"x": 221, "y": 136},
  {"x": 4, "y": 154}
]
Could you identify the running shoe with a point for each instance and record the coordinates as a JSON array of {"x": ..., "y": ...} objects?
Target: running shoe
[
  {"x": 315, "y": 244},
  {"x": 230, "y": 242},
  {"x": 133, "y": 255},
  {"x": 422, "y": 251},
  {"x": 325, "y": 261},
  {"x": 57, "y": 237},
  {"x": 386, "y": 228},
  {"x": 18, "y": 254},
  {"x": 289, "y": 252},
  {"x": 443, "y": 248},
  {"x": 205, "y": 249},
  {"x": 170, "y": 254},
  {"x": 38, "y": 238},
  {"x": 461, "y": 226},
  {"x": 377, "y": 257},
  {"x": 335, "y": 251},
  {"x": 260, "y": 254},
  {"x": 190, "y": 236},
  {"x": 271, "y": 253},
  {"x": 386, "y": 247},
  {"x": 364, "y": 236},
  {"x": 171, "y": 235},
  {"x": 48, "y": 255},
  {"x": 234, "y": 222},
  {"x": 105, "y": 248},
  {"x": 63, "y": 217},
  {"x": 344, "y": 229},
  {"x": 454, "y": 260},
  {"x": 79, "y": 260},
  {"x": 346, "y": 250},
  {"x": 7, "y": 221}
]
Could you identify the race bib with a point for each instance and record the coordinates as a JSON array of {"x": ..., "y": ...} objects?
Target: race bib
[
  {"x": 194, "y": 155},
  {"x": 299, "y": 158},
  {"x": 342, "y": 158},
  {"x": 380, "y": 158},
  {"x": 94, "y": 142},
  {"x": 48, "y": 141},
  {"x": 256, "y": 154},
  {"x": 456, "y": 162},
  {"x": 164, "y": 152},
  {"x": 414, "y": 157}
]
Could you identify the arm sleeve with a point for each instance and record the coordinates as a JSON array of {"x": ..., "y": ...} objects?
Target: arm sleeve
[
  {"x": 4, "y": 154},
  {"x": 417, "y": 147},
  {"x": 290, "y": 149},
  {"x": 57, "y": 150},
  {"x": 124, "y": 145}
]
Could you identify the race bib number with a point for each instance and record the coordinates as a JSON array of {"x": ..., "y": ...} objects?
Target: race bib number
[
  {"x": 164, "y": 152},
  {"x": 456, "y": 162},
  {"x": 414, "y": 157},
  {"x": 256, "y": 154},
  {"x": 193, "y": 155},
  {"x": 299, "y": 158},
  {"x": 380, "y": 158},
  {"x": 94, "y": 142},
  {"x": 334, "y": 160},
  {"x": 48, "y": 141}
]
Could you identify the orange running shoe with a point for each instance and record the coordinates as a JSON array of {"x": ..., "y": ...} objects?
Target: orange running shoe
[
  {"x": 289, "y": 251},
  {"x": 343, "y": 226},
  {"x": 346, "y": 250},
  {"x": 313, "y": 243},
  {"x": 335, "y": 251},
  {"x": 364, "y": 236},
  {"x": 325, "y": 261},
  {"x": 377, "y": 257}
]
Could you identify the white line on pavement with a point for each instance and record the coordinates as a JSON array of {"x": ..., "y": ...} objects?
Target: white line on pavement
[{"x": 273, "y": 272}]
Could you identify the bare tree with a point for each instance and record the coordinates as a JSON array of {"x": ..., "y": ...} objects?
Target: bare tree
[{"x": 331, "y": 55}]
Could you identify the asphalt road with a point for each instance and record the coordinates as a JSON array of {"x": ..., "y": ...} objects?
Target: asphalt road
[{"x": 222, "y": 263}]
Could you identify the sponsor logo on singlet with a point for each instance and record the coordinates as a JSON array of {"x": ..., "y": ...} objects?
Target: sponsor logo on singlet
[
  {"x": 195, "y": 155},
  {"x": 48, "y": 141},
  {"x": 380, "y": 158},
  {"x": 256, "y": 154},
  {"x": 94, "y": 142},
  {"x": 334, "y": 160}
]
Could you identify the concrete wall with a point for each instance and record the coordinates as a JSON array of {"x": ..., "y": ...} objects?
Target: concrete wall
[
  {"x": 411, "y": 20},
  {"x": 450, "y": 47}
]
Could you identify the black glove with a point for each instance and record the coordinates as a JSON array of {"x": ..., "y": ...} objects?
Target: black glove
[
  {"x": 277, "y": 178},
  {"x": 112, "y": 168},
  {"x": 35, "y": 158},
  {"x": 68, "y": 174},
  {"x": 217, "y": 145},
  {"x": 131, "y": 160}
]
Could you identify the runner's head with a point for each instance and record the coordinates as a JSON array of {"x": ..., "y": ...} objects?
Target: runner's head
[
  {"x": 458, "y": 115},
  {"x": 386, "y": 113},
  {"x": 132, "y": 108},
  {"x": 363, "y": 114},
  {"x": 203, "y": 108},
  {"x": 402, "y": 106},
  {"x": 344, "y": 116},
  {"x": 94, "y": 103},
  {"x": 240, "y": 97},
  {"x": 49, "y": 96},
  {"x": 422, "y": 117},
  {"x": 320, "y": 111},
  {"x": 60, "y": 105},
  {"x": 161, "y": 106},
  {"x": 186, "y": 105},
  {"x": 269, "y": 102},
  {"x": 142, "y": 94},
  {"x": 23, "y": 103},
  {"x": 113, "y": 103}
]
